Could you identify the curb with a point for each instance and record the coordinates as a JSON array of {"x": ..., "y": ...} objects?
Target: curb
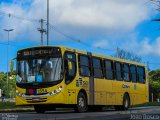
[{"x": 17, "y": 110}]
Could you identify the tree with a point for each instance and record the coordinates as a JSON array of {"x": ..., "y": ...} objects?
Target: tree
[
  {"x": 11, "y": 66},
  {"x": 123, "y": 54},
  {"x": 154, "y": 77},
  {"x": 3, "y": 82},
  {"x": 11, "y": 84},
  {"x": 156, "y": 3}
]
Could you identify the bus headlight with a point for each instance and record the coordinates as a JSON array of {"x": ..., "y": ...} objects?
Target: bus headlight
[
  {"x": 20, "y": 94},
  {"x": 56, "y": 91}
]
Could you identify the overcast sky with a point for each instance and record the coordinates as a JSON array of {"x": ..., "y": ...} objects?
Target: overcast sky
[{"x": 108, "y": 24}]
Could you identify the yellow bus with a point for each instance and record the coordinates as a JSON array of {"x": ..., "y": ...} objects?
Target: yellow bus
[{"x": 50, "y": 77}]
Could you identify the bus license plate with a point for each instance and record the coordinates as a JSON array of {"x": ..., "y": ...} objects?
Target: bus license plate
[
  {"x": 41, "y": 91},
  {"x": 36, "y": 99}
]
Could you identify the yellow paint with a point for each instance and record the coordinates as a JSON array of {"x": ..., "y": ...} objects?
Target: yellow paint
[{"x": 107, "y": 92}]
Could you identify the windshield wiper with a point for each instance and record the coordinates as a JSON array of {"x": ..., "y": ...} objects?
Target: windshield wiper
[{"x": 56, "y": 67}]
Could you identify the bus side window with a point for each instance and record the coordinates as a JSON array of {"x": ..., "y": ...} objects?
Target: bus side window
[
  {"x": 70, "y": 66},
  {"x": 141, "y": 74},
  {"x": 97, "y": 68},
  {"x": 126, "y": 72},
  {"x": 109, "y": 69},
  {"x": 84, "y": 66},
  {"x": 133, "y": 75},
  {"x": 118, "y": 71}
]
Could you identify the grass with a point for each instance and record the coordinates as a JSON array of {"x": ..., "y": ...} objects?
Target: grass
[
  {"x": 11, "y": 105},
  {"x": 148, "y": 104}
]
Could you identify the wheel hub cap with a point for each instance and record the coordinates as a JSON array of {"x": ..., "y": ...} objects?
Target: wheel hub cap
[{"x": 81, "y": 102}]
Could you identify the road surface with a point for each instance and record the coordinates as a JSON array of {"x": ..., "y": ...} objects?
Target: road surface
[{"x": 148, "y": 113}]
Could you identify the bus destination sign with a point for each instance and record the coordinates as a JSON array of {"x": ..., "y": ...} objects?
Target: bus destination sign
[
  {"x": 33, "y": 52},
  {"x": 36, "y": 52}
]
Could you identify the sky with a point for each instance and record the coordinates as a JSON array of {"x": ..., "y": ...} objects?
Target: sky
[{"x": 98, "y": 26}]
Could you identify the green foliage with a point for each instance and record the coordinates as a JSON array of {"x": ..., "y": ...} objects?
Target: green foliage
[
  {"x": 154, "y": 75},
  {"x": 154, "y": 78},
  {"x": 3, "y": 81},
  {"x": 11, "y": 66},
  {"x": 148, "y": 104},
  {"x": 7, "y": 105},
  {"x": 155, "y": 85},
  {"x": 11, "y": 84}
]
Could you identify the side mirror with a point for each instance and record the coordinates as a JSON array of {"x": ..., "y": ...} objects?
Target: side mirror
[
  {"x": 70, "y": 67},
  {"x": 12, "y": 66}
]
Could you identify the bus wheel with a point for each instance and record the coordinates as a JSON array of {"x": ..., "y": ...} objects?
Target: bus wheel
[
  {"x": 81, "y": 103},
  {"x": 39, "y": 109},
  {"x": 126, "y": 102}
]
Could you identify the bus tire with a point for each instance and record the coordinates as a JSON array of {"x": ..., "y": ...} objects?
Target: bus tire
[
  {"x": 126, "y": 102},
  {"x": 39, "y": 109},
  {"x": 81, "y": 103}
]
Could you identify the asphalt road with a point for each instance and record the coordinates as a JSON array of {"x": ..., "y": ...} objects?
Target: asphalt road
[{"x": 139, "y": 113}]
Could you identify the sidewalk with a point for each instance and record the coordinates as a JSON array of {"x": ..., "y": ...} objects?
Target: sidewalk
[
  {"x": 9, "y": 100},
  {"x": 9, "y": 106},
  {"x": 17, "y": 110}
]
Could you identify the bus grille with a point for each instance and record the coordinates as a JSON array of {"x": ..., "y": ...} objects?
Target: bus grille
[{"x": 35, "y": 100}]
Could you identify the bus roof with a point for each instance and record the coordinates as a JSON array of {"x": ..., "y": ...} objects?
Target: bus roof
[
  {"x": 106, "y": 57},
  {"x": 93, "y": 54}
]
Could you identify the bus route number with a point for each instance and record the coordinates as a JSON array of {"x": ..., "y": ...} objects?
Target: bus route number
[{"x": 41, "y": 91}]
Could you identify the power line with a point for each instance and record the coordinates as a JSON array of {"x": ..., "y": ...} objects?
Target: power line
[
  {"x": 77, "y": 40},
  {"x": 11, "y": 44},
  {"x": 67, "y": 36},
  {"x": 24, "y": 19},
  {"x": 58, "y": 31},
  {"x": 55, "y": 29},
  {"x": 17, "y": 17}
]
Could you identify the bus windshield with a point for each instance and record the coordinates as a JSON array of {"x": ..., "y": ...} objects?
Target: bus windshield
[{"x": 39, "y": 70}]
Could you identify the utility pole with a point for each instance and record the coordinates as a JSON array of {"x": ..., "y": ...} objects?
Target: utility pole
[
  {"x": 8, "y": 31},
  {"x": 47, "y": 22},
  {"x": 42, "y": 30}
]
